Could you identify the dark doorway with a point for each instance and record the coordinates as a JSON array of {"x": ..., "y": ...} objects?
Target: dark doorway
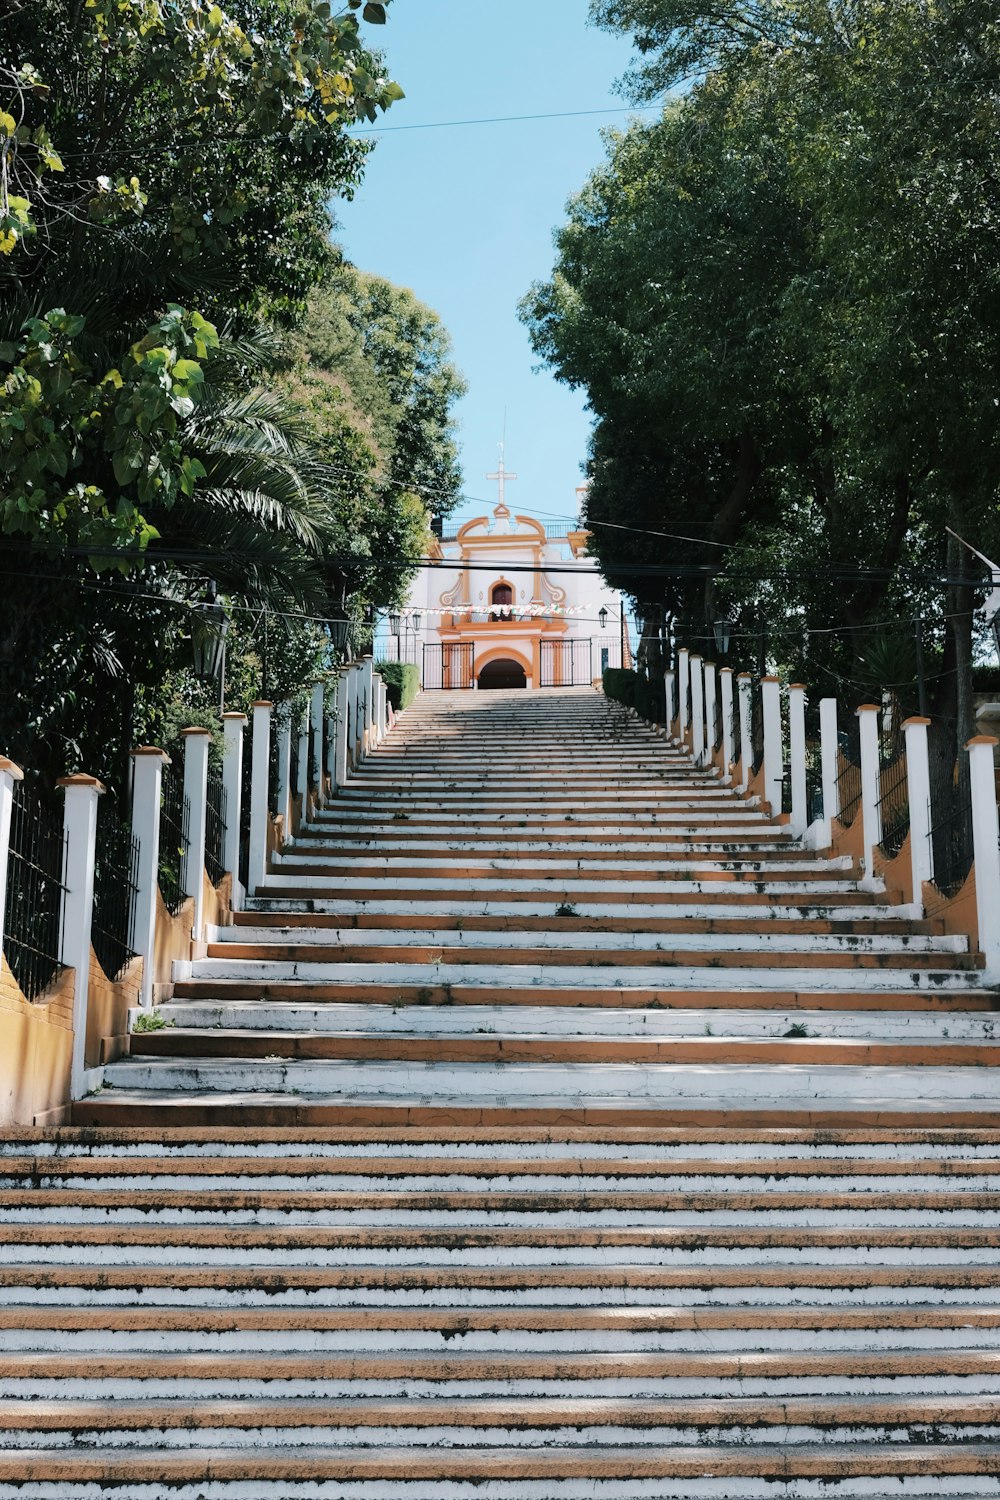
[{"x": 502, "y": 674}]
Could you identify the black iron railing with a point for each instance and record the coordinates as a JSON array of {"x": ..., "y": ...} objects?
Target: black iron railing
[
  {"x": 32, "y": 924},
  {"x": 893, "y": 800},
  {"x": 951, "y": 828},
  {"x": 848, "y": 790},
  {"x": 116, "y": 890},
  {"x": 814, "y": 789},
  {"x": 716, "y": 727},
  {"x": 246, "y": 782},
  {"x": 215, "y": 829},
  {"x": 756, "y": 728},
  {"x": 737, "y": 731},
  {"x": 175, "y": 839}
]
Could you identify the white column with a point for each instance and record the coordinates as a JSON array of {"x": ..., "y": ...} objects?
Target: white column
[
  {"x": 302, "y": 780},
  {"x": 697, "y": 711},
  {"x": 233, "y": 726},
  {"x": 283, "y": 742},
  {"x": 744, "y": 683},
  {"x": 80, "y": 828},
  {"x": 669, "y": 679},
  {"x": 918, "y": 791},
  {"x": 147, "y": 773},
  {"x": 343, "y": 723},
  {"x": 9, "y": 774},
  {"x": 829, "y": 749},
  {"x": 797, "y": 757},
  {"x": 358, "y": 715},
  {"x": 331, "y": 741},
  {"x": 683, "y": 679},
  {"x": 317, "y": 714},
  {"x": 774, "y": 765},
  {"x": 196, "y": 743},
  {"x": 711, "y": 697},
  {"x": 726, "y": 689},
  {"x": 870, "y": 821},
  {"x": 259, "y": 773},
  {"x": 982, "y": 783},
  {"x": 368, "y": 690}
]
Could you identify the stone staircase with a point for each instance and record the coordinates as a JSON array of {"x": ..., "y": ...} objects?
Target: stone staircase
[{"x": 552, "y": 1126}]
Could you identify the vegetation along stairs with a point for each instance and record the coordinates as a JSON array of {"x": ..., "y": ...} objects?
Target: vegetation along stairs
[{"x": 551, "y": 1125}]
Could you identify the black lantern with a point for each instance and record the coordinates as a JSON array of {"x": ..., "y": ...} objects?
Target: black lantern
[
  {"x": 602, "y": 615},
  {"x": 723, "y": 634},
  {"x": 340, "y": 627},
  {"x": 416, "y": 621},
  {"x": 209, "y": 628},
  {"x": 394, "y": 624}
]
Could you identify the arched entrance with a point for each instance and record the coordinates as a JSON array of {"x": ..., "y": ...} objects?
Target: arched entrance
[{"x": 502, "y": 673}]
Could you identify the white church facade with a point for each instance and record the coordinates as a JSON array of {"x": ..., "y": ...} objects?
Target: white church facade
[{"x": 504, "y": 601}]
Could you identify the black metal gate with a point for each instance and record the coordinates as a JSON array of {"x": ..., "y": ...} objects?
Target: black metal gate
[
  {"x": 450, "y": 665},
  {"x": 567, "y": 663}
]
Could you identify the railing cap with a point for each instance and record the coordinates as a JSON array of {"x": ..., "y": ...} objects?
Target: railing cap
[
  {"x": 79, "y": 779},
  {"x": 151, "y": 750},
  {"x": 744, "y": 677},
  {"x": 725, "y": 669},
  {"x": 869, "y": 708},
  {"x": 196, "y": 729},
  {"x": 798, "y": 687},
  {"x": 914, "y": 720},
  {"x": 232, "y": 717},
  {"x": 13, "y": 771},
  {"x": 262, "y": 703},
  {"x": 771, "y": 679},
  {"x": 982, "y": 739}
]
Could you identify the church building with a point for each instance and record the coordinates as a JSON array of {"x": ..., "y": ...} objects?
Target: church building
[{"x": 506, "y": 601}]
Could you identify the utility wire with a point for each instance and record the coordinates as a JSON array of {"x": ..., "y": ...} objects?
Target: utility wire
[{"x": 562, "y": 114}]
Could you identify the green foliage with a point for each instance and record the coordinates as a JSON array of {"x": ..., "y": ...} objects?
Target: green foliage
[
  {"x": 634, "y": 690},
  {"x": 402, "y": 682}
]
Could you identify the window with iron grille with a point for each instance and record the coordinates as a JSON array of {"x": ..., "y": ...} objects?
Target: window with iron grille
[
  {"x": 32, "y": 924},
  {"x": 175, "y": 839},
  {"x": 116, "y": 889}
]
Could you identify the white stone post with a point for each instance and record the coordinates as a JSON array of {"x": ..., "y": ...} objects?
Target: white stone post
[
  {"x": 331, "y": 743},
  {"x": 669, "y": 679},
  {"x": 196, "y": 745},
  {"x": 302, "y": 777},
  {"x": 80, "y": 829},
  {"x": 697, "y": 711},
  {"x": 982, "y": 785},
  {"x": 368, "y": 690},
  {"x": 259, "y": 773},
  {"x": 829, "y": 749},
  {"x": 343, "y": 723},
  {"x": 283, "y": 743},
  {"x": 317, "y": 715},
  {"x": 683, "y": 680},
  {"x": 726, "y": 689},
  {"x": 871, "y": 829},
  {"x": 797, "y": 758},
  {"x": 774, "y": 765},
  {"x": 147, "y": 774},
  {"x": 9, "y": 774},
  {"x": 358, "y": 715},
  {"x": 233, "y": 726},
  {"x": 711, "y": 700},
  {"x": 744, "y": 684},
  {"x": 918, "y": 792}
]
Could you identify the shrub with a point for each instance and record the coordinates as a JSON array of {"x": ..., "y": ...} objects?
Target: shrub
[
  {"x": 402, "y": 682},
  {"x": 636, "y": 691}
]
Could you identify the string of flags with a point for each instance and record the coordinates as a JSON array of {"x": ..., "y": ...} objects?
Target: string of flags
[{"x": 499, "y": 611}]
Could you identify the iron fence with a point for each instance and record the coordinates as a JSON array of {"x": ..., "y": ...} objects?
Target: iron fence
[
  {"x": 246, "y": 782},
  {"x": 715, "y": 729},
  {"x": 215, "y": 829},
  {"x": 32, "y": 922},
  {"x": 814, "y": 789},
  {"x": 951, "y": 827},
  {"x": 756, "y": 728},
  {"x": 116, "y": 890},
  {"x": 848, "y": 790},
  {"x": 893, "y": 800},
  {"x": 175, "y": 839},
  {"x": 449, "y": 665},
  {"x": 737, "y": 732},
  {"x": 567, "y": 663}
]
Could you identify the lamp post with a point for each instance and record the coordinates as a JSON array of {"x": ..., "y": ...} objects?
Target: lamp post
[
  {"x": 602, "y": 616},
  {"x": 209, "y": 628},
  {"x": 723, "y": 632}
]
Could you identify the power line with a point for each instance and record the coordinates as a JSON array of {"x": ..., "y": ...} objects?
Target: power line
[{"x": 563, "y": 114}]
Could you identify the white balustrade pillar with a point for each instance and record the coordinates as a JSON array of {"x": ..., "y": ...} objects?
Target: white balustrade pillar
[
  {"x": 797, "y": 758},
  {"x": 283, "y": 748},
  {"x": 683, "y": 682},
  {"x": 368, "y": 690},
  {"x": 982, "y": 782},
  {"x": 9, "y": 775},
  {"x": 871, "y": 827},
  {"x": 331, "y": 740},
  {"x": 697, "y": 711},
  {"x": 829, "y": 750},
  {"x": 744, "y": 683},
  {"x": 260, "y": 767},
  {"x": 80, "y": 829},
  {"x": 196, "y": 746},
  {"x": 343, "y": 723},
  {"x": 774, "y": 763},
  {"x": 358, "y": 714},
  {"x": 317, "y": 714},
  {"x": 669, "y": 680},
  {"x": 147, "y": 774},
  {"x": 728, "y": 744},
  {"x": 233, "y": 726},
  {"x": 918, "y": 791},
  {"x": 711, "y": 701}
]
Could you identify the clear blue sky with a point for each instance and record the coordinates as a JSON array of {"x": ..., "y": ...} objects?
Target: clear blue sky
[{"x": 465, "y": 216}]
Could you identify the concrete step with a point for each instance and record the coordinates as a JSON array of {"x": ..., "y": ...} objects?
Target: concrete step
[{"x": 321, "y": 945}]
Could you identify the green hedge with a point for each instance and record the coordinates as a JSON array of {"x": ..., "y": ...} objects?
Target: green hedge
[
  {"x": 636, "y": 691},
  {"x": 402, "y": 682}
]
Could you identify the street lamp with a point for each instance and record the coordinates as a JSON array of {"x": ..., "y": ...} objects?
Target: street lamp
[
  {"x": 723, "y": 635},
  {"x": 340, "y": 627},
  {"x": 394, "y": 623},
  {"x": 602, "y": 615},
  {"x": 209, "y": 628}
]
